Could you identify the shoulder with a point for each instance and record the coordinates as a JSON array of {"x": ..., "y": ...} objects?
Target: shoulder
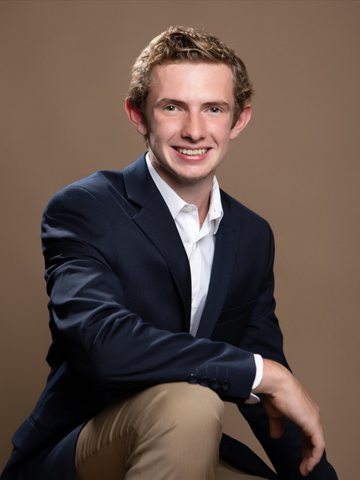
[
  {"x": 83, "y": 212},
  {"x": 104, "y": 185},
  {"x": 96, "y": 188},
  {"x": 99, "y": 183}
]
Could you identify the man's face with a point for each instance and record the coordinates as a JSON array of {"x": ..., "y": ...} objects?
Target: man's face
[{"x": 189, "y": 115}]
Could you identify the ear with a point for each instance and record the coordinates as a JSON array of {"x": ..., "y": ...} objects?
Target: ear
[
  {"x": 135, "y": 118},
  {"x": 241, "y": 123}
]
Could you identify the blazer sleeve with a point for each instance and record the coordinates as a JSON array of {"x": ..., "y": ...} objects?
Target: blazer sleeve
[{"x": 107, "y": 343}]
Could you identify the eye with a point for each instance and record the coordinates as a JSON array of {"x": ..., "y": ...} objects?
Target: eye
[
  {"x": 170, "y": 108},
  {"x": 214, "y": 110}
]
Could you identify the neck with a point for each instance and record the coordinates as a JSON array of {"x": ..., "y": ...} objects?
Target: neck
[
  {"x": 199, "y": 198},
  {"x": 192, "y": 191}
]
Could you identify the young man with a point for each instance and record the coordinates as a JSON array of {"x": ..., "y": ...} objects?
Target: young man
[{"x": 161, "y": 300}]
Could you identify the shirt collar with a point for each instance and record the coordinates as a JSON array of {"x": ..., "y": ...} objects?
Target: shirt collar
[{"x": 176, "y": 203}]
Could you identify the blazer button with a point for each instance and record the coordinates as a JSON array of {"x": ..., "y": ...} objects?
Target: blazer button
[
  {"x": 225, "y": 385},
  {"x": 204, "y": 381},
  {"x": 193, "y": 379},
  {"x": 215, "y": 384}
]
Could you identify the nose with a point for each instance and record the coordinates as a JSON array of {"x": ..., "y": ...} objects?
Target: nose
[{"x": 193, "y": 127}]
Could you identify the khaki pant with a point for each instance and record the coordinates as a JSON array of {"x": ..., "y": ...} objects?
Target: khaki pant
[{"x": 167, "y": 432}]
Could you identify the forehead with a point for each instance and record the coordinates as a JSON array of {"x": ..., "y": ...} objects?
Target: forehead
[{"x": 193, "y": 81}]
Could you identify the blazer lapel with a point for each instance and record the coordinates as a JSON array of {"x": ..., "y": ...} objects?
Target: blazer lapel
[
  {"x": 156, "y": 222},
  {"x": 226, "y": 246}
]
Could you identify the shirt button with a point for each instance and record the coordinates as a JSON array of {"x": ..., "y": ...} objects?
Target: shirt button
[{"x": 188, "y": 208}]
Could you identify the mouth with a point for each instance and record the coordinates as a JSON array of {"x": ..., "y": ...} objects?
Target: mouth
[{"x": 190, "y": 152}]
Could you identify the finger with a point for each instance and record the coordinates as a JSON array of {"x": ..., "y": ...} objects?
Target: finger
[{"x": 312, "y": 453}]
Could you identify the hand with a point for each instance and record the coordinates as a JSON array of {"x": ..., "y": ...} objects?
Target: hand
[{"x": 283, "y": 395}]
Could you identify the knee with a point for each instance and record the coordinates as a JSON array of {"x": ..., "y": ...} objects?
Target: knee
[
  {"x": 189, "y": 409},
  {"x": 195, "y": 402},
  {"x": 177, "y": 421}
]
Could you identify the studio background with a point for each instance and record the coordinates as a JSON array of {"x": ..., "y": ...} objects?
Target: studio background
[{"x": 64, "y": 75}]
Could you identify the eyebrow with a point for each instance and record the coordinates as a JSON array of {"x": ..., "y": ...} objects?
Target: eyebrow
[
  {"x": 169, "y": 101},
  {"x": 218, "y": 103}
]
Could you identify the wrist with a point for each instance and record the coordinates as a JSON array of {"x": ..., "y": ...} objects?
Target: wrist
[{"x": 275, "y": 376}]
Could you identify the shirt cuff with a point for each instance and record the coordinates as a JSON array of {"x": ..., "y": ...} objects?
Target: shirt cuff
[{"x": 259, "y": 364}]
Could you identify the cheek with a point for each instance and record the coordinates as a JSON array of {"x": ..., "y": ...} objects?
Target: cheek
[
  {"x": 222, "y": 137},
  {"x": 162, "y": 133},
  {"x": 220, "y": 129}
]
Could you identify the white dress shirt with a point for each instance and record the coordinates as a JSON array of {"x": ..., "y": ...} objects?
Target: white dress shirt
[{"x": 199, "y": 243}]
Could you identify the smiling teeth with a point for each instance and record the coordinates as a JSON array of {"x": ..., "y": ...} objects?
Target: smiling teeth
[{"x": 186, "y": 151}]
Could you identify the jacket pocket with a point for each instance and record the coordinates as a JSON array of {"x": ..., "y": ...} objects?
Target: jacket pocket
[{"x": 235, "y": 313}]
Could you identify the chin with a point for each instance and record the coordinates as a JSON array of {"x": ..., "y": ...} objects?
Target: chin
[{"x": 193, "y": 177}]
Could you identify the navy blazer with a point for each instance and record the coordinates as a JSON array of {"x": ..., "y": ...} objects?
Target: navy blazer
[{"x": 119, "y": 284}]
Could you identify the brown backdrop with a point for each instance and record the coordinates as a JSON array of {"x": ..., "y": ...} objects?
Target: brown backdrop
[{"x": 64, "y": 74}]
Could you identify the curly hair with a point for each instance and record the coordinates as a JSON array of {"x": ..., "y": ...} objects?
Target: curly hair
[{"x": 185, "y": 44}]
